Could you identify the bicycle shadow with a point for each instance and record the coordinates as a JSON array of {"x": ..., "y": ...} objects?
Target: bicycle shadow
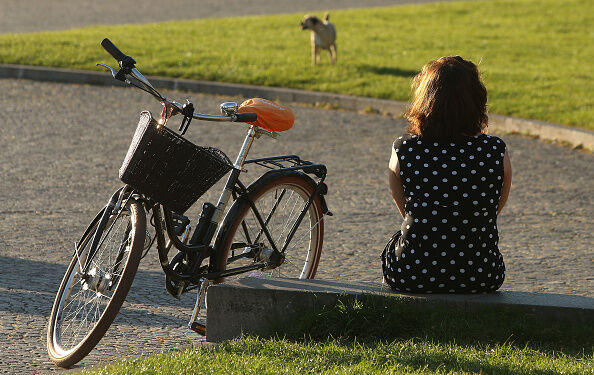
[{"x": 29, "y": 287}]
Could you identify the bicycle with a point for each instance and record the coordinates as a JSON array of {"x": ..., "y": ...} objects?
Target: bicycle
[{"x": 280, "y": 213}]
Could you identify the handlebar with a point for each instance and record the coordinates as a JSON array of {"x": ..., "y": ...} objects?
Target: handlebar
[
  {"x": 172, "y": 108},
  {"x": 113, "y": 50},
  {"x": 236, "y": 117}
]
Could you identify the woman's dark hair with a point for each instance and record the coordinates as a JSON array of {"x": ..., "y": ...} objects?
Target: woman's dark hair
[{"x": 449, "y": 100}]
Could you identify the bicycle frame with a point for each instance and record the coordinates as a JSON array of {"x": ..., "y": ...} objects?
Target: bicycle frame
[{"x": 236, "y": 190}]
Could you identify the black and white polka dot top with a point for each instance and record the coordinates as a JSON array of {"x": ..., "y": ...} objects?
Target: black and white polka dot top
[{"x": 449, "y": 235}]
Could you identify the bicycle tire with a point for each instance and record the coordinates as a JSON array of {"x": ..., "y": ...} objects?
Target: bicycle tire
[
  {"x": 300, "y": 188},
  {"x": 67, "y": 344}
]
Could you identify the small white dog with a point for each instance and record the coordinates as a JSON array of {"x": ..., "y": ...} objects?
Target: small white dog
[{"x": 323, "y": 36}]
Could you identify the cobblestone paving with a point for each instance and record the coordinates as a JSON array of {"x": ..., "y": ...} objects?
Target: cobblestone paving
[{"x": 63, "y": 144}]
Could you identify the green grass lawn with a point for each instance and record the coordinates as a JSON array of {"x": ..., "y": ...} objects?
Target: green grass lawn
[
  {"x": 536, "y": 55},
  {"x": 383, "y": 336},
  {"x": 277, "y": 356}
]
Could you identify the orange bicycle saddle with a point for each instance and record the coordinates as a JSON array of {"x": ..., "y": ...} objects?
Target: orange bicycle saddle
[{"x": 271, "y": 116}]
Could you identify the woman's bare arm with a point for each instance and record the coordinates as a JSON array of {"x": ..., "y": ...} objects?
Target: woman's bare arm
[
  {"x": 396, "y": 182},
  {"x": 507, "y": 178}
]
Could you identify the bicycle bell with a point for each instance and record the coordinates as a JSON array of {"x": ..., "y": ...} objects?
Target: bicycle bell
[{"x": 229, "y": 108}]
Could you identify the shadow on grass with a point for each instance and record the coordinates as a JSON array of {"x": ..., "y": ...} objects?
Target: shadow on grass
[
  {"x": 375, "y": 321},
  {"x": 467, "y": 362},
  {"x": 387, "y": 70}
]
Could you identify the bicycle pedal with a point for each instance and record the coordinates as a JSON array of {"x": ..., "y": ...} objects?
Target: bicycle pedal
[{"x": 199, "y": 328}]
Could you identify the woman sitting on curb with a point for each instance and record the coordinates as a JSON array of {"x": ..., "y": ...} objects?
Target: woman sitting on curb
[{"x": 449, "y": 181}]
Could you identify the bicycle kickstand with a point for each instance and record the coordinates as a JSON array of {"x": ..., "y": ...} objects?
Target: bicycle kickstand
[{"x": 194, "y": 325}]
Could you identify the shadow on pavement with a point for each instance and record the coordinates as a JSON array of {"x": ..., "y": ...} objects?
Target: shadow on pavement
[{"x": 29, "y": 287}]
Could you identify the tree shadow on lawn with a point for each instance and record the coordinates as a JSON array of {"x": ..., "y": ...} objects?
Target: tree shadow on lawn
[{"x": 376, "y": 321}]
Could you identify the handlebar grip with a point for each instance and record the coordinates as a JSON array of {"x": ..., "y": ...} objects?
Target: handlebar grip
[
  {"x": 246, "y": 117},
  {"x": 112, "y": 50}
]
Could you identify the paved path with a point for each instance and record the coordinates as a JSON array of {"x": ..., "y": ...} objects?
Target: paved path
[
  {"x": 63, "y": 144},
  {"x": 22, "y": 16}
]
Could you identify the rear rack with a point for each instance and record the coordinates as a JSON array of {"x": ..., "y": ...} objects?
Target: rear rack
[{"x": 291, "y": 162}]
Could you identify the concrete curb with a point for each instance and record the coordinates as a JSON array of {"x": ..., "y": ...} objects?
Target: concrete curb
[
  {"x": 258, "y": 306},
  {"x": 578, "y": 138}
]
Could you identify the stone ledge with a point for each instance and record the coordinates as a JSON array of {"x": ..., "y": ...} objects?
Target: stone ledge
[{"x": 254, "y": 306}]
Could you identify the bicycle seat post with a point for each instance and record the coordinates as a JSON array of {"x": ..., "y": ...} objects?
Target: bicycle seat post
[{"x": 237, "y": 168}]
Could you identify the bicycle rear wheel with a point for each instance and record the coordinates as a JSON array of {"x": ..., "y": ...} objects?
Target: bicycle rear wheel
[
  {"x": 85, "y": 307},
  {"x": 279, "y": 199}
]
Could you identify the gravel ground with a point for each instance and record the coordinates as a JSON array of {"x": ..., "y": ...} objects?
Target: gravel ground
[{"x": 63, "y": 144}]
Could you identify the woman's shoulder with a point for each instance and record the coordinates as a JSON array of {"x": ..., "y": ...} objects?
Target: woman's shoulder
[
  {"x": 482, "y": 141},
  {"x": 491, "y": 141},
  {"x": 403, "y": 140}
]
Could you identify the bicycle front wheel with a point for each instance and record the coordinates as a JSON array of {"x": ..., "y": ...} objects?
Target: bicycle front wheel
[
  {"x": 279, "y": 200},
  {"x": 86, "y": 305}
]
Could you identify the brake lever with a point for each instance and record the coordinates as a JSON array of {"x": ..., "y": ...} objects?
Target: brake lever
[
  {"x": 113, "y": 71},
  {"x": 119, "y": 75}
]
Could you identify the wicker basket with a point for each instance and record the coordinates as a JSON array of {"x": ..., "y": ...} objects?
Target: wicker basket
[{"x": 168, "y": 168}]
